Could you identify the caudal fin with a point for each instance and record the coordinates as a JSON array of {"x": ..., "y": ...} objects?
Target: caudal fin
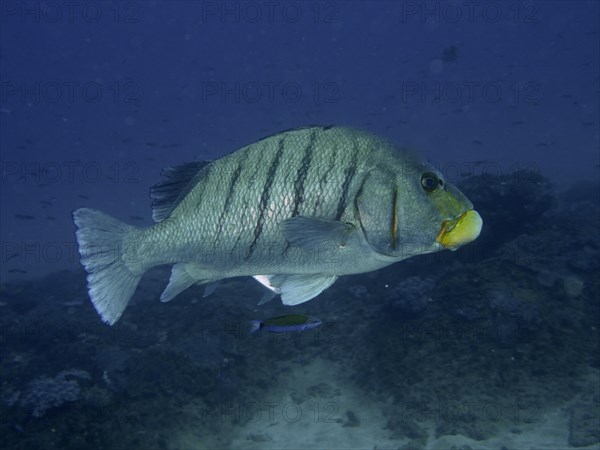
[
  {"x": 255, "y": 325},
  {"x": 111, "y": 283}
]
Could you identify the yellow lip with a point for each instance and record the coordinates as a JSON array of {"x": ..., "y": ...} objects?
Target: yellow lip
[{"x": 460, "y": 231}]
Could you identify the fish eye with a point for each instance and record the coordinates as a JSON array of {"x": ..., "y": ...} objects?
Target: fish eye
[{"x": 430, "y": 181}]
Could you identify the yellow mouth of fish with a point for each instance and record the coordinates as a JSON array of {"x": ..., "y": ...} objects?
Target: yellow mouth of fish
[{"x": 460, "y": 231}]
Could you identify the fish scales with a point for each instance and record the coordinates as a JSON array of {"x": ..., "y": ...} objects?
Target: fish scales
[
  {"x": 295, "y": 210},
  {"x": 245, "y": 195}
]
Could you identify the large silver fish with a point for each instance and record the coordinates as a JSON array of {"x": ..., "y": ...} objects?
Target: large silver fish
[{"x": 295, "y": 210}]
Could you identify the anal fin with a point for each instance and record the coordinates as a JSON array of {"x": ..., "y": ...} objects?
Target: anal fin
[
  {"x": 180, "y": 280},
  {"x": 184, "y": 275},
  {"x": 210, "y": 288}
]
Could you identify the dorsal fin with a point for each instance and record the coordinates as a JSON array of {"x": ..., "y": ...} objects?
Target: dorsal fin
[{"x": 179, "y": 182}]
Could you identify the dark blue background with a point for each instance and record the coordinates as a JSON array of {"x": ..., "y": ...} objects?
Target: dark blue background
[{"x": 98, "y": 97}]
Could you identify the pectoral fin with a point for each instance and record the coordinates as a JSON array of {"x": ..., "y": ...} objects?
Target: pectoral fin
[{"x": 310, "y": 233}]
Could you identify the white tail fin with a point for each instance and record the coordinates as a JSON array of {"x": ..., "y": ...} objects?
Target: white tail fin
[
  {"x": 254, "y": 326},
  {"x": 111, "y": 283}
]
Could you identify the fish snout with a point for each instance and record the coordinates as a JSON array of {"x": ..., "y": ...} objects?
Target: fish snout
[{"x": 461, "y": 230}]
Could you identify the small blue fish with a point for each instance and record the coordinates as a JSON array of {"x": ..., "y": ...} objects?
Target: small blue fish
[{"x": 285, "y": 324}]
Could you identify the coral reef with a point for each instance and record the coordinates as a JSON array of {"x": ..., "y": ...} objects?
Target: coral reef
[
  {"x": 436, "y": 342},
  {"x": 410, "y": 297},
  {"x": 44, "y": 393}
]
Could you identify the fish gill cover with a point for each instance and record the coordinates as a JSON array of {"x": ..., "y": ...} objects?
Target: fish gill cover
[{"x": 493, "y": 345}]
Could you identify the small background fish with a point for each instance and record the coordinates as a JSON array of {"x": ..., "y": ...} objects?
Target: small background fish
[{"x": 285, "y": 324}]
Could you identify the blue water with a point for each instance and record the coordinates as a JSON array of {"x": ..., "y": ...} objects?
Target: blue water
[{"x": 493, "y": 345}]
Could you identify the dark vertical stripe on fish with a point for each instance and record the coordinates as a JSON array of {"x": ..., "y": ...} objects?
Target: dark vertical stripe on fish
[
  {"x": 302, "y": 172},
  {"x": 349, "y": 175},
  {"x": 247, "y": 195},
  {"x": 356, "y": 199},
  {"x": 207, "y": 173},
  {"x": 394, "y": 223},
  {"x": 323, "y": 180},
  {"x": 266, "y": 194},
  {"x": 227, "y": 203}
]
